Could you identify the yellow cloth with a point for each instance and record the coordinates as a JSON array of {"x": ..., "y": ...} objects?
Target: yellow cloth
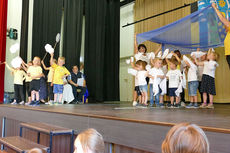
[
  {"x": 50, "y": 75},
  {"x": 34, "y": 71},
  {"x": 59, "y": 72},
  {"x": 19, "y": 76},
  {"x": 227, "y": 43}
]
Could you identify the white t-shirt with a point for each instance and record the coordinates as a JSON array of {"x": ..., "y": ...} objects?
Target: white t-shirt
[
  {"x": 193, "y": 73},
  {"x": 141, "y": 76},
  {"x": 154, "y": 72},
  {"x": 210, "y": 68},
  {"x": 174, "y": 78},
  {"x": 200, "y": 72}
]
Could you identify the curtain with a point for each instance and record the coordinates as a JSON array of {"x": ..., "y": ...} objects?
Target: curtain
[
  {"x": 24, "y": 30},
  {"x": 73, "y": 14},
  {"x": 101, "y": 60},
  {"x": 3, "y": 27},
  {"x": 46, "y": 24}
]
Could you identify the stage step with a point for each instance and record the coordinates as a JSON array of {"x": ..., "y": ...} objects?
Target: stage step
[
  {"x": 50, "y": 135},
  {"x": 21, "y": 145}
]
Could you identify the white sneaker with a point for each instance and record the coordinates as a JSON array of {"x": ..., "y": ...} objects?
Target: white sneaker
[
  {"x": 134, "y": 103},
  {"x": 22, "y": 103},
  {"x": 27, "y": 104},
  {"x": 14, "y": 103}
]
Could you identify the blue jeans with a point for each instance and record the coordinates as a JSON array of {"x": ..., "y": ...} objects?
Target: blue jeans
[{"x": 157, "y": 97}]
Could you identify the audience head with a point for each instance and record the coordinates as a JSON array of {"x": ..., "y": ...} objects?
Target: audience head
[
  {"x": 61, "y": 61},
  {"x": 35, "y": 150},
  {"x": 89, "y": 141},
  {"x": 141, "y": 65},
  {"x": 158, "y": 62},
  {"x": 185, "y": 138},
  {"x": 142, "y": 48},
  {"x": 75, "y": 69},
  {"x": 36, "y": 61}
]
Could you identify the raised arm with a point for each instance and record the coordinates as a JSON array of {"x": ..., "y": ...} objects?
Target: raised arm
[
  {"x": 51, "y": 58},
  {"x": 220, "y": 15},
  {"x": 199, "y": 63},
  {"x": 158, "y": 49},
  {"x": 177, "y": 58},
  {"x": 135, "y": 44},
  {"x": 9, "y": 68},
  {"x": 44, "y": 66}
]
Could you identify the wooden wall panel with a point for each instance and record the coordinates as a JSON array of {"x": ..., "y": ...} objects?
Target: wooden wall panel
[{"x": 146, "y": 8}]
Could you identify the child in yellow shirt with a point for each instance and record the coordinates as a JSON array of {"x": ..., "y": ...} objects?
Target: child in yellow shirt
[
  {"x": 35, "y": 72},
  {"x": 60, "y": 72},
  {"x": 19, "y": 76},
  {"x": 27, "y": 80},
  {"x": 50, "y": 80}
]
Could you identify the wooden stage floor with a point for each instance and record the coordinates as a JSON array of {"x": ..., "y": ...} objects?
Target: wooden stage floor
[
  {"x": 124, "y": 125},
  {"x": 211, "y": 118}
]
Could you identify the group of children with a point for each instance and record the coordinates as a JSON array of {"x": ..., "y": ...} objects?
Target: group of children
[
  {"x": 166, "y": 76},
  {"x": 32, "y": 73}
]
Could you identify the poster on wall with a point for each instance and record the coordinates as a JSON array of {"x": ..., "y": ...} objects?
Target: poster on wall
[{"x": 223, "y": 5}]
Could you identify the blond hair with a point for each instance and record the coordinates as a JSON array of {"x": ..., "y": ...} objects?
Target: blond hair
[
  {"x": 185, "y": 138},
  {"x": 61, "y": 58},
  {"x": 92, "y": 140},
  {"x": 35, "y": 150}
]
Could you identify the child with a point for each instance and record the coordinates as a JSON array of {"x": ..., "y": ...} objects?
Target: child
[
  {"x": 142, "y": 83},
  {"x": 89, "y": 141},
  {"x": 60, "y": 72},
  {"x": 174, "y": 76},
  {"x": 192, "y": 82},
  {"x": 185, "y": 138},
  {"x": 19, "y": 76},
  {"x": 136, "y": 93},
  {"x": 155, "y": 73},
  {"x": 50, "y": 80},
  {"x": 35, "y": 72},
  {"x": 28, "y": 80},
  {"x": 208, "y": 78}
]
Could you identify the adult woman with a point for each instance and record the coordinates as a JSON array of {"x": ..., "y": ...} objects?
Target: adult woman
[{"x": 227, "y": 38}]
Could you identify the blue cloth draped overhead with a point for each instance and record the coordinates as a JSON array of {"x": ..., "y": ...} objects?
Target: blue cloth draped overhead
[{"x": 201, "y": 29}]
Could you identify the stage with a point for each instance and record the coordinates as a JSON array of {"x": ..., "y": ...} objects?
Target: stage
[{"x": 125, "y": 128}]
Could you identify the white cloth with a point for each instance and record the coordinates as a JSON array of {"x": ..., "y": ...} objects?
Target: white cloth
[
  {"x": 174, "y": 78},
  {"x": 193, "y": 70},
  {"x": 179, "y": 89},
  {"x": 166, "y": 52},
  {"x": 163, "y": 86},
  {"x": 154, "y": 72},
  {"x": 67, "y": 93},
  {"x": 156, "y": 81},
  {"x": 197, "y": 54},
  {"x": 144, "y": 57},
  {"x": 210, "y": 68},
  {"x": 141, "y": 76},
  {"x": 132, "y": 71}
]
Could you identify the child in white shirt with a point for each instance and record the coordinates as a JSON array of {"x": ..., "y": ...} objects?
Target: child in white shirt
[
  {"x": 142, "y": 83},
  {"x": 208, "y": 78},
  {"x": 174, "y": 76},
  {"x": 193, "y": 82},
  {"x": 155, "y": 75}
]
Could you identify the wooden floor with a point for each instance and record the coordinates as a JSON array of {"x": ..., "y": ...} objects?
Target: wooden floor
[
  {"x": 125, "y": 128},
  {"x": 217, "y": 119}
]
